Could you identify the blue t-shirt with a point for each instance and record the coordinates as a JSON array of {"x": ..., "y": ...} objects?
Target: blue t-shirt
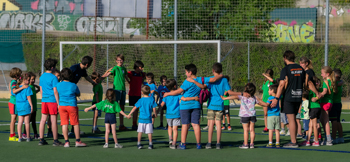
[
  {"x": 275, "y": 111},
  {"x": 190, "y": 90},
  {"x": 48, "y": 81},
  {"x": 216, "y": 90},
  {"x": 172, "y": 106},
  {"x": 22, "y": 104},
  {"x": 77, "y": 73},
  {"x": 161, "y": 90},
  {"x": 67, "y": 92},
  {"x": 152, "y": 87},
  {"x": 146, "y": 105}
]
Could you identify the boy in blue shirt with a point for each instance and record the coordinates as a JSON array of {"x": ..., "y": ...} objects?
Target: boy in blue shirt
[
  {"x": 147, "y": 105},
  {"x": 273, "y": 117},
  {"x": 190, "y": 110},
  {"x": 215, "y": 103},
  {"x": 68, "y": 93},
  {"x": 150, "y": 83},
  {"x": 48, "y": 89},
  {"x": 161, "y": 90}
]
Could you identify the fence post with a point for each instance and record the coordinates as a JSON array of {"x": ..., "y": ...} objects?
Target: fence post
[
  {"x": 175, "y": 39},
  {"x": 43, "y": 38},
  {"x": 326, "y": 36},
  {"x": 248, "y": 61}
]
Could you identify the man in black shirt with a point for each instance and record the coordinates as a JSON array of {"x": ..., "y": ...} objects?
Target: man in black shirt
[{"x": 292, "y": 96}]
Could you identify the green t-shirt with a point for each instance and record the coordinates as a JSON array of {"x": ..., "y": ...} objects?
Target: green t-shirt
[
  {"x": 265, "y": 89},
  {"x": 12, "y": 86},
  {"x": 226, "y": 102},
  {"x": 98, "y": 90},
  {"x": 33, "y": 97},
  {"x": 337, "y": 96},
  {"x": 313, "y": 104},
  {"x": 304, "y": 112},
  {"x": 119, "y": 77},
  {"x": 328, "y": 98},
  {"x": 108, "y": 107}
]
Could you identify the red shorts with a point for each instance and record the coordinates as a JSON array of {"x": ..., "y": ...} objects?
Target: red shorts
[
  {"x": 49, "y": 108},
  {"x": 326, "y": 106},
  {"x": 12, "y": 108},
  {"x": 69, "y": 113}
]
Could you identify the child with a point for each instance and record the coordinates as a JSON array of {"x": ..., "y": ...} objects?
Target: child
[
  {"x": 110, "y": 107},
  {"x": 329, "y": 87},
  {"x": 273, "y": 117},
  {"x": 24, "y": 105},
  {"x": 146, "y": 105},
  {"x": 226, "y": 110},
  {"x": 247, "y": 112},
  {"x": 98, "y": 93},
  {"x": 334, "y": 114},
  {"x": 68, "y": 110},
  {"x": 150, "y": 83},
  {"x": 136, "y": 80},
  {"x": 162, "y": 88},
  {"x": 48, "y": 89},
  {"x": 173, "y": 112},
  {"x": 314, "y": 114},
  {"x": 268, "y": 81},
  {"x": 15, "y": 74},
  {"x": 57, "y": 73},
  {"x": 120, "y": 75},
  {"x": 35, "y": 90},
  {"x": 304, "y": 114}
]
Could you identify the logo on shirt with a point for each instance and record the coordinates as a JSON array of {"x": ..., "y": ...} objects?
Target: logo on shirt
[
  {"x": 298, "y": 92},
  {"x": 296, "y": 72},
  {"x": 109, "y": 106}
]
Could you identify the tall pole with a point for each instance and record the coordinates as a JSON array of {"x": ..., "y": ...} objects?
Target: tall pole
[
  {"x": 107, "y": 64},
  {"x": 326, "y": 36},
  {"x": 175, "y": 39},
  {"x": 95, "y": 39},
  {"x": 43, "y": 38},
  {"x": 248, "y": 61},
  {"x": 147, "y": 25}
]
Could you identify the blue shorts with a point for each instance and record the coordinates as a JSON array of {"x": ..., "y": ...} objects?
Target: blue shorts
[
  {"x": 190, "y": 116},
  {"x": 306, "y": 124},
  {"x": 94, "y": 109},
  {"x": 120, "y": 96},
  {"x": 110, "y": 118}
]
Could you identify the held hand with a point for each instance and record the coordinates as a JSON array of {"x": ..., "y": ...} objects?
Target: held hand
[
  {"x": 183, "y": 98},
  {"x": 128, "y": 116},
  {"x": 166, "y": 94},
  {"x": 222, "y": 97},
  {"x": 274, "y": 103},
  {"x": 196, "y": 98},
  {"x": 314, "y": 99},
  {"x": 86, "y": 109},
  {"x": 190, "y": 80}
]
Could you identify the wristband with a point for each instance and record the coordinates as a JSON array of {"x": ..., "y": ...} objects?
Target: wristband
[{"x": 316, "y": 97}]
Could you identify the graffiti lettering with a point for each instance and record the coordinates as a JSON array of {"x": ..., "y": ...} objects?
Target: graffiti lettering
[
  {"x": 293, "y": 34},
  {"x": 63, "y": 21},
  {"x": 105, "y": 24},
  {"x": 29, "y": 21},
  {"x": 59, "y": 6}
]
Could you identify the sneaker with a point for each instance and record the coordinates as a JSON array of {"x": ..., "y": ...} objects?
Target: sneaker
[
  {"x": 208, "y": 146},
  {"x": 329, "y": 143},
  {"x": 223, "y": 128},
  {"x": 15, "y": 139},
  {"x": 66, "y": 144},
  {"x": 308, "y": 143},
  {"x": 229, "y": 128},
  {"x": 36, "y": 136},
  {"x": 160, "y": 127},
  {"x": 80, "y": 144},
  {"x": 244, "y": 147},
  {"x": 20, "y": 140},
  {"x": 336, "y": 141},
  {"x": 288, "y": 133},
  {"x": 49, "y": 135},
  {"x": 170, "y": 142},
  {"x": 218, "y": 146},
  {"x": 269, "y": 145},
  {"x": 316, "y": 144},
  {"x": 182, "y": 146},
  {"x": 105, "y": 145},
  {"x": 278, "y": 145},
  {"x": 150, "y": 147},
  {"x": 57, "y": 143},
  {"x": 265, "y": 130},
  {"x": 172, "y": 146},
  {"x": 139, "y": 146},
  {"x": 341, "y": 140},
  {"x": 122, "y": 128},
  {"x": 251, "y": 145},
  {"x": 320, "y": 137},
  {"x": 96, "y": 131},
  {"x": 299, "y": 136},
  {"x": 134, "y": 127},
  {"x": 291, "y": 145},
  {"x": 29, "y": 139},
  {"x": 118, "y": 146},
  {"x": 304, "y": 143},
  {"x": 24, "y": 136},
  {"x": 42, "y": 142},
  {"x": 282, "y": 132},
  {"x": 205, "y": 128},
  {"x": 199, "y": 146}
]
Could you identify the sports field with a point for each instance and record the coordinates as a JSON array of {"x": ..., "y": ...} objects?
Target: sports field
[{"x": 30, "y": 151}]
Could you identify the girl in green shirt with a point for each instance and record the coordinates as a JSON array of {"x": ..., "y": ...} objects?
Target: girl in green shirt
[
  {"x": 268, "y": 81},
  {"x": 336, "y": 109}
]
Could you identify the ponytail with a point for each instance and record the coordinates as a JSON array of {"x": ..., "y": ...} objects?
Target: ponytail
[
  {"x": 23, "y": 77},
  {"x": 334, "y": 85},
  {"x": 306, "y": 60}
]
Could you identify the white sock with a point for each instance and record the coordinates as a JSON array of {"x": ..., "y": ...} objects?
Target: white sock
[
  {"x": 150, "y": 143},
  {"x": 138, "y": 143},
  {"x": 270, "y": 142}
]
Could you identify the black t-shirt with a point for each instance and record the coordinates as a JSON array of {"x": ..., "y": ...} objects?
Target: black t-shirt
[
  {"x": 311, "y": 74},
  {"x": 77, "y": 73},
  {"x": 296, "y": 79}
]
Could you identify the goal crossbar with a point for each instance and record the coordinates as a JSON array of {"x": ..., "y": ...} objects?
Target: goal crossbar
[{"x": 218, "y": 42}]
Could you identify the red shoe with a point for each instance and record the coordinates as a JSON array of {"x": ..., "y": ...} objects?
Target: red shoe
[
  {"x": 265, "y": 130},
  {"x": 319, "y": 137},
  {"x": 80, "y": 144},
  {"x": 304, "y": 143}
]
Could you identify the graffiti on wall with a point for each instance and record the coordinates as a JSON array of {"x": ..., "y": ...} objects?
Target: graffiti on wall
[
  {"x": 293, "y": 33},
  {"x": 28, "y": 20}
]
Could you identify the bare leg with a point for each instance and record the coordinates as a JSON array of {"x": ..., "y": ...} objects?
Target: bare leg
[
  {"x": 76, "y": 131},
  {"x": 252, "y": 132},
  {"x": 298, "y": 126},
  {"x": 13, "y": 123},
  {"x": 324, "y": 121},
  {"x": 95, "y": 119},
  {"x": 270, "y": 135},
  {"x": 134, "y": 116},
  {"x": 175, "y": 134},
  {"x": 197, "y": 132},
  {"x": 228, "y": 119},
  {"x": 170, "y": 131},
  {"x": 27, "y": 125},
  {"x": 218, "y": 132},
  {"x": 108, "y": 127},
  {"x": 65, "y": 132},
  {"x": 150, "y": 137},
  {"x": 121, "y": 117},
  {"x": 54, "y": 126},
  {"x": 184, "y": 131},
  {"x": 139, "y": 136},
  {"x": 246, "y": 133},
  {"x": 265, "y": 116},
  {"x": 292, "y": 127},
  {"x": 42, "y": 125},
  {"x": 311, "y": 128},
  {"x": 277, "y": 135},
  {"x": 19, "y": 126},
  {"x": 114, "y": 133},
  {"x": 210, "y": 130}
]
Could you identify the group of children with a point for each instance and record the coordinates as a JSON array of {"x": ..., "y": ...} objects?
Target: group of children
[{"x": 181, "y": 104}]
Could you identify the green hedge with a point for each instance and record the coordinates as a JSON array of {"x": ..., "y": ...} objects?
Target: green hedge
[{"x": 159, "y": 58}]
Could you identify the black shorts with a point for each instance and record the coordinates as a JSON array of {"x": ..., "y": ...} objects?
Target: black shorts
[
  {"x": 227, "y": 109},
  {"x": 315, "y": 113},
  {"x": 110, "y": 118},
  {"x": 133, "y": 100},
  {"x": 246, "y": 120},
  {"x": 290, "y": 107},
  {"x": 334, "y": 114}
]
